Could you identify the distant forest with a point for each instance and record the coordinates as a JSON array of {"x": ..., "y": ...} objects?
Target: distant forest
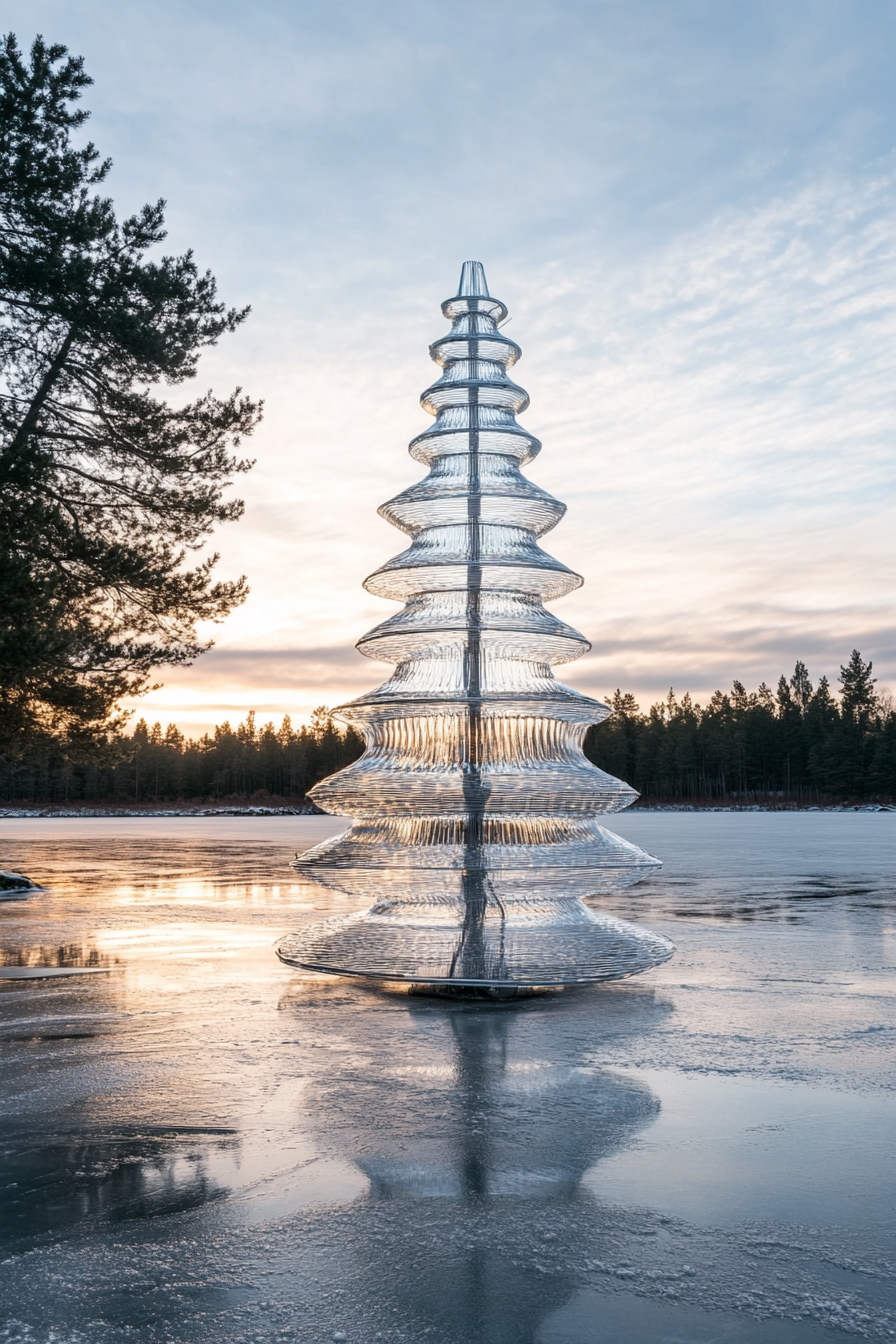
[
  {"x": 232, "y": 765},
  {"x": 796, "y": 744}
]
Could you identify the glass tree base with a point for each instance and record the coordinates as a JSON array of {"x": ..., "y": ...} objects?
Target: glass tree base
[{"x": 519, "y": 944}]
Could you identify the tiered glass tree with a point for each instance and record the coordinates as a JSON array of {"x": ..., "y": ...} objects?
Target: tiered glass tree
[{"x": 475, "y": 814}]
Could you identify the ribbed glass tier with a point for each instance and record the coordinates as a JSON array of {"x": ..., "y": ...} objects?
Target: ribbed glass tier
[
  {"x": 526, "y": 944},
  {"x": 475, "y": 811}
]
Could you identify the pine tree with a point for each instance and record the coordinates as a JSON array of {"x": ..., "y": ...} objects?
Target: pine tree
[
  {"x": 858, "y": 698},
  {"x": 801, "y": 685},
  {"x": 105, "y": 488},
  {"x": 859, "y": 706}
]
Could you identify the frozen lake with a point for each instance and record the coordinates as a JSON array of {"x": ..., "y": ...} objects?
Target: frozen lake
[{"x": 200, "y": 1144}]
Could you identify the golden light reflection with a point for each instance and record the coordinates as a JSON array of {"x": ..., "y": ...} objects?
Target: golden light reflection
[
  {"x": 181, "y": 939},
  {"x": 203, "y": 892}
]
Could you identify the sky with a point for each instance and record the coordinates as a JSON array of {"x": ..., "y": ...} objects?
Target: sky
[{"x": 690, "y": 212}]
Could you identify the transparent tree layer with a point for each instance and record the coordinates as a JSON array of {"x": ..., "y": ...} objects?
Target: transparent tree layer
[{"x": 476, "y": 831}]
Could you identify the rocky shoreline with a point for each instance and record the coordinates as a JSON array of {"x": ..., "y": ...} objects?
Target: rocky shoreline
[
  {"x": 765, "y": 807},
  {"x": 309, "y": 810},
  {"x": 15, "y": 812}
]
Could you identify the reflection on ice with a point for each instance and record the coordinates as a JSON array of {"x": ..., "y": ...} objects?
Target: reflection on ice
[
  {"x": 512, "y": 1124},
  {"x": 398, "y": 1067},
  {"x": 92, "y": 1178},
  {"x": 39, "y": 962},
  {"x": 492, "y": 1108}
]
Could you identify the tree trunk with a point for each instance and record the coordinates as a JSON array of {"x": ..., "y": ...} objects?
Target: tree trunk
[{"x": 29, "y": 424}]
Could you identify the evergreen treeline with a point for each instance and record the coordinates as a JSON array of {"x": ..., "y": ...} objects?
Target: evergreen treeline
[
  {"x": 153, "y": 766},
  {"x": 795, "y": 743}
]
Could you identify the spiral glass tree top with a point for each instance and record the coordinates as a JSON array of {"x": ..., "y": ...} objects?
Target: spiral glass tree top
[{"x": 475, "y": 814}]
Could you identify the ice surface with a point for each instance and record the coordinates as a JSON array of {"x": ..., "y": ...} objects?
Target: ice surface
[{"x": 201, "y": 1145}]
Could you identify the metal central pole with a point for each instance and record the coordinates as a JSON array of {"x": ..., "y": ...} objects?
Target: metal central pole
[{"x": 471, "y": 961}]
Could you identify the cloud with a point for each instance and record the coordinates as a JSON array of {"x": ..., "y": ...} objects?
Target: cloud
[
  {"x": 690, "y": 211},
  {"x": 720, "y": 418}
]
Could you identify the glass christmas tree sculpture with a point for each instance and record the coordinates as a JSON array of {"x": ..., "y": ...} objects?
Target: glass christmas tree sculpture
[{"x": 475, "y": 814}]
